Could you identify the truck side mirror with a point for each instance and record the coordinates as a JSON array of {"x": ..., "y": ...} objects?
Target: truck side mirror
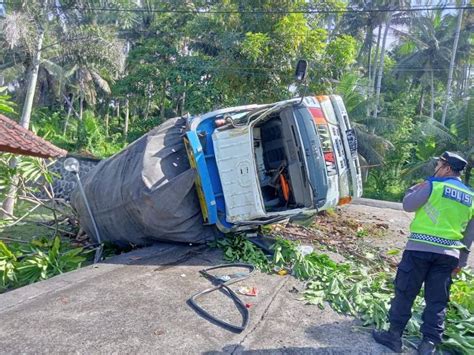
[{"x": 301, "y": 69}]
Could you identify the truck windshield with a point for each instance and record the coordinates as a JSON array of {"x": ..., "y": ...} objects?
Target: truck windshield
[{"x": 314, "y": 156}]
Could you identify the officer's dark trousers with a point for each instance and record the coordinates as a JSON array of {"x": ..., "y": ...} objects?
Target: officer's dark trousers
[{"x": 435, "y": 271}]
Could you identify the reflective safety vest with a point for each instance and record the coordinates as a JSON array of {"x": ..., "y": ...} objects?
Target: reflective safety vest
[{"x": 444, "y": 217}]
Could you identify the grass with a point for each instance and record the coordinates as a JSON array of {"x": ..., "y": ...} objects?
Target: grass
[{"x": 28, "y": 228}]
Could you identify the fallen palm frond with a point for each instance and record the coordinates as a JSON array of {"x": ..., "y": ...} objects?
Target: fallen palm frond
[{"x": 358, "y": 289}]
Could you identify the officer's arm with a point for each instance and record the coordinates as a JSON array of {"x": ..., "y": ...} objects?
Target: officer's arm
[
  {"x": 467, "y": 241},
  {"x": 416, "y": 196}
]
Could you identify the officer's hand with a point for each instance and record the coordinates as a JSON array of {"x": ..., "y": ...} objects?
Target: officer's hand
[{"x": 456, "y": 271}]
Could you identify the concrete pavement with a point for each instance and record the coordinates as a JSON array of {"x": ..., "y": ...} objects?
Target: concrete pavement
[
  {"x": 378, "y": 203},
  {"x": 136, "y": 303}
]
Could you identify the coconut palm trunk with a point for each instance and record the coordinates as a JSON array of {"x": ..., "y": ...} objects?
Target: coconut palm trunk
[
  {"x": 376, "y": 56},
  {"x": 432, "y": 94},
  {"x": 32, "y": 80},
  {"x": 421, "y": 103},
  {"x": 451, "y": 64},
  {"x": 127, "y": 120},
  {"x": 381, "y": 63},
  {"x": 9, "y": 202},
  {"x": 369, "y": 72},
  {"x": 106, "y": 119},
  {"x": 162, "y": 103}
]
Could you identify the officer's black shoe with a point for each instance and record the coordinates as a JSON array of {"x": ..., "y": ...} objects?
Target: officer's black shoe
[
  {"x": 391, "y": 339},
  {"x": 426, "y": 347}
]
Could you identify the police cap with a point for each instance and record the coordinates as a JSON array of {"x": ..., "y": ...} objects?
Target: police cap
[{"x": 455, "y": 161}]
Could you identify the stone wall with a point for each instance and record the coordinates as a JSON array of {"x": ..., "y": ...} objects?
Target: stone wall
[{"x": 64, "y": 184}]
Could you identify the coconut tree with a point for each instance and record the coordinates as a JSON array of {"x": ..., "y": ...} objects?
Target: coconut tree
[
  {"x": 372, "y": 146},
  {"x": 432, "y": 138},
  {"x": 87, "y": 51},
  {"x": 27, "y": 30},
  {"x": 381, "y": 63},
  {"x": 451, "y": 64},
  {"x": 425, "y": 53},
  {"x": 363, "y": 25},
  {"x": 31, "y": 38}
]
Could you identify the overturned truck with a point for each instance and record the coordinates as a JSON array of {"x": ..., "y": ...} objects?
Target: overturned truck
[{"x": 228, "y": 170}]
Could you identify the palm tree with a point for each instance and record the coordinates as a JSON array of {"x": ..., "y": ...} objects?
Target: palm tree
[
  {"x": 372, "y": 146},
  {"x": 15, "y": 33},
  {"x": 26, "y": 30},
  {"x": 433, "y": 138},
  {"x": 381, "y": 63},
  {"x": 88, "y": 49},
  {"x": 451, "y": 64},
  {"x": 392, "y": 17},
  {"x": 363, "y": 25},
  {"x": 423, "y": 52}
]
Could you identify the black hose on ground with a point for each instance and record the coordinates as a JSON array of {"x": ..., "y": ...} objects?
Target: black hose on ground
[{"x": 222, "y": 284}]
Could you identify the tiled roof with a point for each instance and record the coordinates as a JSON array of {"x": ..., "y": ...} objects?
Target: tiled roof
[{"x": 18, "y": 140}]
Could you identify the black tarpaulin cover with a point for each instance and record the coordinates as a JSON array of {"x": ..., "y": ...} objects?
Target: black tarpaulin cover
[{"x": 145, "y": 192}]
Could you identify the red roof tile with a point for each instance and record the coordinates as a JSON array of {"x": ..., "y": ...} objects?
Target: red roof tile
[{"x": 18, "y": 140}]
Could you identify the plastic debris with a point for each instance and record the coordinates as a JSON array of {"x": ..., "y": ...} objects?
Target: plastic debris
[
  {"x": 248, "y": 305},
  {"x": 282, "y": 271},
  {"x": 223, "y": 278},
  {"x": 248, "y": 291},
  {"x": 305, "y": 249}
]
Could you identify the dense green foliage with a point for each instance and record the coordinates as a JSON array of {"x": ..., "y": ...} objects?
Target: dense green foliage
[
  {"x": 22, "y": 264},
  {"x": 356, "y": 289},
  {"x": 6, "y": 106},
  {"x": 110, "y": 71}
]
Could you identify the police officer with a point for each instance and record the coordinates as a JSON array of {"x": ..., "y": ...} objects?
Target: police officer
[{"x": 437, "y": 248}]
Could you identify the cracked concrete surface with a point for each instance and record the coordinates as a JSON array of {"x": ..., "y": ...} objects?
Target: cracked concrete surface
[{"x": 136, "y": 303}]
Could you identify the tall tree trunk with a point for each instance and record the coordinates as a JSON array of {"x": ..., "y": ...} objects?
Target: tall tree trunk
[
  {"x": 421, "y": 103},
  {"x": 376, "y": 57},
  {"x": 127, "y": 119},
  {"x": 465, "y": 86},
  {"x": 69, "y": 111},
  {"x": 382, "y": 57},
  {"x": 107, "y": 121},
  {"x": 369, "y": 71},
  {"x": 9, "y": 202},
  {"x": 148, "y": 99},
  {"x": 460, "y": 82},
  {"x": 162, "y": 104},
  {"x": 451, "y": 64},
  {"x": 367, "y": 40},
  {"x": 432, "y": 94},
  {"x": 32, "y": 80},
  {"x": 81, "y": 107},
  {"x": 147, "y": 108},
  {"x": 117, "y": 106},
  {"x": 183, "y": 103}
]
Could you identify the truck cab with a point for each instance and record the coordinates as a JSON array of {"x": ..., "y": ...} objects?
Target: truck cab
[{"x": 261, "y": 164}]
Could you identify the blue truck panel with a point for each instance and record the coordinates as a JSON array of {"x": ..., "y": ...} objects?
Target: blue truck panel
[{"x": 203, "y": 180}]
